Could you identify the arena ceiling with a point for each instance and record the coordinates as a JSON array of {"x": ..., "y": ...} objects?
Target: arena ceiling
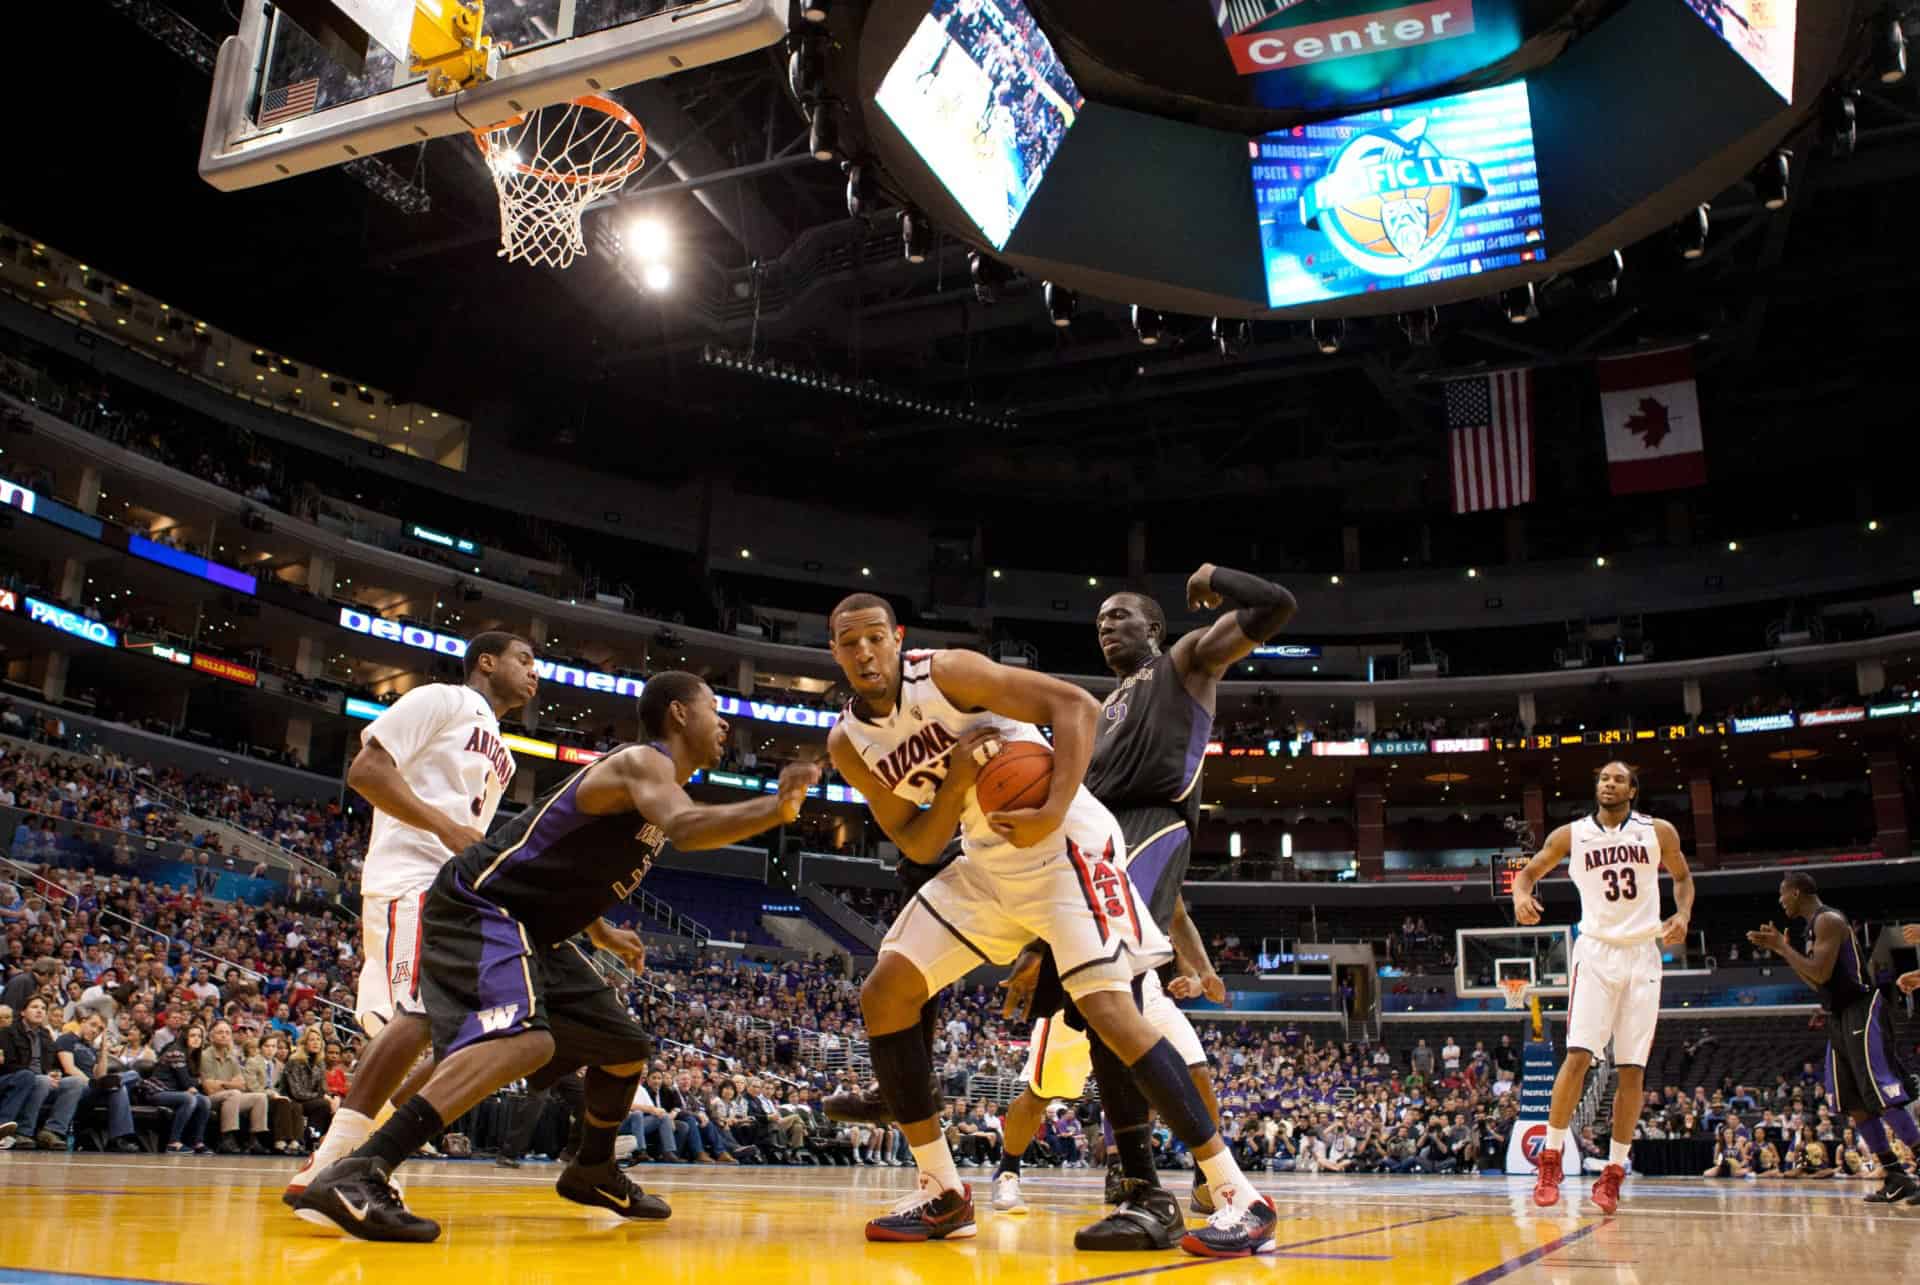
[{"x": 1803, "y": 315}]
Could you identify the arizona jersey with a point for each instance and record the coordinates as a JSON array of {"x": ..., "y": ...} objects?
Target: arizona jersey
[
  {"x": 1618, "y": 875},
  {"x": 909, "y": 748},
  {"x": 556, "y": 869},
  {"x": 445, "y": 739}
]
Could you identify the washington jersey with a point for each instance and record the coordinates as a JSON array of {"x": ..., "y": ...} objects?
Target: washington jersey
[
  {"x": 1151, "y": 742},
  {"x": 445, "y": 739},
  {"x": 1618, "y": 875},
  {"x": 1850, "y": 981},
  {"x": 555, "y": 868},
  {"x": 909, "y": 748}
]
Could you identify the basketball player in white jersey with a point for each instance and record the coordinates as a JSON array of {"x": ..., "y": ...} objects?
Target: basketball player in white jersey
[
  {"x": 434, "y": 768},
  {"x": 1614, "y": 989},
  {"x": 911, "y": 741}
]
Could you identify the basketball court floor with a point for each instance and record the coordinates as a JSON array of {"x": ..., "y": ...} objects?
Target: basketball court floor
[{"x": 66, "y": 1221}]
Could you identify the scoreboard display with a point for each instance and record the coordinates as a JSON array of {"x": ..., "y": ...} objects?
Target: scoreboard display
[{"x": 1505, "y": 866}]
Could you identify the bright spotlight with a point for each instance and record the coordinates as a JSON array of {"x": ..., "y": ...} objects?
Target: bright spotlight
[
  {"x": 658, "y": 277},
  {"x": 647, "y": 239}
]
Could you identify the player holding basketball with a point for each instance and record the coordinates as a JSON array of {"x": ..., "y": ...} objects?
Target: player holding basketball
[
  {"x": 434, "y": 767},
  {"x": 1864, "y": 1075},
  {"x": 504, "y": 992},
  {"x": 1146, "y": 764},
  {"x": 912, "y": 741},
  {"x": 1615, "y": 989}
]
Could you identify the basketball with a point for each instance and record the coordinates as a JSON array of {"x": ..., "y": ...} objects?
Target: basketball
[{"x": 1019, "y": 776}]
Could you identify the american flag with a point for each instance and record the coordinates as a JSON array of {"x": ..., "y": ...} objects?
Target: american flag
[
  {"x": 1490, "y": 440},
  {"x": 288, "y": 101}
]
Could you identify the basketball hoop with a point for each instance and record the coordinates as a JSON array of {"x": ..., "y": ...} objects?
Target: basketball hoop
[
  {"x": 1514, "y": 991},
  {"x": 549, "y": 165}
]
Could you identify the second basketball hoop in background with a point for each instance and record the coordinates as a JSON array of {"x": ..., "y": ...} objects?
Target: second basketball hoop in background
[{"x": 550, "y": 164}]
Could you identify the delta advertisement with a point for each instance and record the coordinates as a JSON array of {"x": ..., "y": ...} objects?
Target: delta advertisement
[
  {"x": 1402, "y": 196},
  {"x": 1326, "y": 53}
]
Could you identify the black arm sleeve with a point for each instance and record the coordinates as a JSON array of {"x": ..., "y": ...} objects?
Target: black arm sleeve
[{"x": 1263, "y": 608}]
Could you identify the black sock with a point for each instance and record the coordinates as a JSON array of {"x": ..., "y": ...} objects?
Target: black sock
[
  {"x": 903, "y": 1064},
  {"x": 1128, "y": 1113},
  {"x": 1889, "y": 1162},
  {"x": 1009, "y": 1163},
  {"x": 596, "y": 1143},
  {"x": 1164, "y": 1080},
  {"x": 1135, "y": 1145},
  {"x": 410, "y": 1128}
]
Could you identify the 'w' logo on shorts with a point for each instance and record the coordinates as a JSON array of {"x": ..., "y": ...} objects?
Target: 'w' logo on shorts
[{"x": 498, "y": 1019}]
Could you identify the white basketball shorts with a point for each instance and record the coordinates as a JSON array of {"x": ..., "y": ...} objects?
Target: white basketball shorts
[
  {"x": 1072, "y": 892},
  {"x": 1614, "y": 994},
  {"x": 390, "y": 954},
  {"x": 1059, "y": 1060}
]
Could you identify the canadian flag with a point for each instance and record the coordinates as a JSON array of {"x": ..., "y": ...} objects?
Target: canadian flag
[{"x": 1651, "y": 409}]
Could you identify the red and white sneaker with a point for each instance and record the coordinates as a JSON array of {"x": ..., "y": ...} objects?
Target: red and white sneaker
[
  {"x": 1546, "y": 1187},
  {"x": 928, "y": 1213},
  {"x": 1606, "y": 1192},
  {"x": 1236, "y": 1230},
  {"x": 297, "y": 1185}
]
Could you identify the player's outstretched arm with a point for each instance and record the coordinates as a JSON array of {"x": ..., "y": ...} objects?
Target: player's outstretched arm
[
  {"x": 1674, "y": 930},
  {"x": 693, "y": 827},
  {"x": 971, "y": 681},
  {"x": 921, "y": 834},
  {"x": 1527, "y": 909},
  {"x": 1260, "y": 609}
]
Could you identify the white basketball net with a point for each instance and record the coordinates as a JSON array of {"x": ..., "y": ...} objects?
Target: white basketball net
[
  {"x": 549, "y": 165},
  {"x": 1515, "y": 989}
]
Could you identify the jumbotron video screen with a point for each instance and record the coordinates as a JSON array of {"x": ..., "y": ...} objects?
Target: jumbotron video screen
[{"x": 1398, "y": 197}]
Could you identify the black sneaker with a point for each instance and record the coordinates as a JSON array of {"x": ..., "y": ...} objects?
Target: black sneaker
[
  {"x": 1116, "y": 1183},
  {"x": 858, "y": 1108},
  {"x": 355, "y": 1195},
  {"x": 506, "y": 1162},
  {"x": 1202, "y": 1196},
  {"x": 1896, "y": 1185},
  {"x": 927, "y": 1214},
  {"x": 1148, "y": 1217},
  {"x": 605, "y": 1187},
  {"x": 1228, "y": 1236}
]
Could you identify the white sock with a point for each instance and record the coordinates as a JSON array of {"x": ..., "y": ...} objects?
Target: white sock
[
  {"x": 1226, "y": 1182},
  {"x": 1556, "y": 1139},
  {"x": 1619, "y": 1153},
  {"x": 936, "y": 1162},
  {"x": 348, "y": 1130}
]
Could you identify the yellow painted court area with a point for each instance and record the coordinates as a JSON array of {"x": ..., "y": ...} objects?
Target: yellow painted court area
[{"x": 214, "y": 1222}]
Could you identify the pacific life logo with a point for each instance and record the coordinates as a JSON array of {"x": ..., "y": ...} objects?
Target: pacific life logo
[{"x": 1391, "y": 199}]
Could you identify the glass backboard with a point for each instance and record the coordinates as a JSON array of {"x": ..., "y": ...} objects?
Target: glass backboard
[
  {"x": 1484, "y": 956},
  {"x": 282, "y": 106}
]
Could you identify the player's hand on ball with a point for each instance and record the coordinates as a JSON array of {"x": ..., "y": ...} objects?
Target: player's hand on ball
[
  {"x": 459, "y": 838},
  {"x": 1673, "y": 932},
  {"x": 973, "y": 751},
  {"x": 1025, "y": 827},
  {"x": 795, "y": 780},
  {"x": 1911, "y": 934},
  {"x": 1527, "y": 910},
  {"x": 1200, "y": 594},
  {"x": 1909, "y": 982},
  {"x": 1019, "y": 986},
  {"x": 1768, "y": 938}
]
